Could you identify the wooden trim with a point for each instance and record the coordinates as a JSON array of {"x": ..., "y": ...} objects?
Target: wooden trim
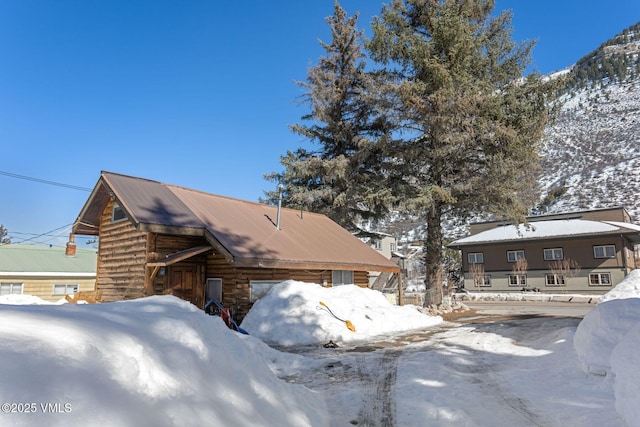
[
  {"x": 168, "y": 229},
  {"x": 218, "y": 247},
  {"x": 179, "y": 256},
  {"x": 310, "y": 265}
]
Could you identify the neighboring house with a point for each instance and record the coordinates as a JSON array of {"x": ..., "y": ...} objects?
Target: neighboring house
[
  {"x": 588, "y": 252},
  {"x": 156, "y": 238},
  {"x": 385, "y": 244},
  {"x": 49, "y": 273}
]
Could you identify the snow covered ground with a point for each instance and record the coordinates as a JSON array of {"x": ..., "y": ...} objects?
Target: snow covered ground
[{"x": 160, "y": 361}]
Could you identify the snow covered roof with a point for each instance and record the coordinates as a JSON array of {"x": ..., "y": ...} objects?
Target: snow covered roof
[{"x": 547, "y": 230}]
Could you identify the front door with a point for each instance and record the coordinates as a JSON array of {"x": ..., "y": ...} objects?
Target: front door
[{"x": 184, "y": 282}]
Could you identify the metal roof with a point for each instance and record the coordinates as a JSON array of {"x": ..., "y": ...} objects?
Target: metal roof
[
  {"x": 27, "y": 260},
  {"x": 245, "y": 232},
  {"x": 550, "y": 229}
]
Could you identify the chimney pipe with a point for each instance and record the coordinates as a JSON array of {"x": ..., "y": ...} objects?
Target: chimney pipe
[
  {"x": 71, "y": 246},
  {"x": 279, "y": 205}
]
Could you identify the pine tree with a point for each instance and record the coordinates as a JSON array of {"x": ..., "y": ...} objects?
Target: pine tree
[
  {"x": 471, "y": 123},
  {"x": 4, "y": 240},
  {"x": 340, "y": 179}
]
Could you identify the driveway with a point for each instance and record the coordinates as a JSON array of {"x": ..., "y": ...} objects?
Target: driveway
[{"x": 505, "y": 363}]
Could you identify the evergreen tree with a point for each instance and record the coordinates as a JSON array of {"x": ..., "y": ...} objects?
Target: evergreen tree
[
  {"x": 470, "y": 122},
  {"x": 341, "y": 178},
  {"x": 4, "y": 240}
]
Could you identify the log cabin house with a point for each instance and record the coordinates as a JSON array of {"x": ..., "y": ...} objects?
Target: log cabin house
[
  {"x": 577, "y": 252},
  {"x": 156, "y": 238}
]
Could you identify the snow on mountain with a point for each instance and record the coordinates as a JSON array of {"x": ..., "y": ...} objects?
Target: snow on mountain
[{"x": 591, "y": 152}]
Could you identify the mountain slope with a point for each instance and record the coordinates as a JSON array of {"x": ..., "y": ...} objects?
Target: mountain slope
[{"x": 591, "y": 153}]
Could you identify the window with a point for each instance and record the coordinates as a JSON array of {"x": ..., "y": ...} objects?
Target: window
[
  {"x": 65, "y": 289},
  {"x": 483, "y": 281},
  {"x": 555, "y": 280},
  {"x": 513, "y": 256},
  {"x": 517, "y": 280},
  {"x": 259, "y": 288},
  {"x": 604, "y": 251},
  {"x": 117, "y": 214},
  {"x": 341, "y": 277},
  {"x": 10, "y": 288},
  {"x": 392, "y": 246},
  {"x": 213, "y": 289},
  {"x": 600, "y": 279},
  {"x": 553, "y": 254},
  {"x": 475, "y": 258}
]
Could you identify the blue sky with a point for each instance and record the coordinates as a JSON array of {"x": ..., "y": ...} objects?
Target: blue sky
[{"x": 194, "y": 93}]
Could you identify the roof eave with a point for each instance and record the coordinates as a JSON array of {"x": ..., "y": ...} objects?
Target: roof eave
[
  {"x": 171, "y": 229},
  {"x": 312, "y": 265},
  {"x": 633, "y": 236}
]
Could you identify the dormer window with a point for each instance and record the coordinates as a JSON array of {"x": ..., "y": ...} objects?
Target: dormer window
[{"x": 117, "y": 214}]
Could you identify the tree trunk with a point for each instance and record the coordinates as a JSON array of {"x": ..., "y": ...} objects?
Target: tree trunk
[{"x": 433, "y": 257}]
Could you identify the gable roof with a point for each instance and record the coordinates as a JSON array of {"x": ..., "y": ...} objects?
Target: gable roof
[
  {"x": 244, "y": 232},
  {"x": 550, "y": 229},
  {"x": 28, "y": 260}
]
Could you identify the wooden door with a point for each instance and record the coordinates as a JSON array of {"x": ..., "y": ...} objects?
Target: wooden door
[{"x": 184, "y": 282}]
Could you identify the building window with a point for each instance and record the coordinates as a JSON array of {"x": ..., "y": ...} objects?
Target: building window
[
  {"x": 475, "y": 258},
  {"x": 600, "y": 279},
  {"x": 482, "y": 281},
  {"x": 517, "y": 280},
  {"x": 553, "y": 254},
  {"x": 213, "y": 289},
  {"x": 117, "y": 214},
  {"x": 513, "y": 256},
  {"x": 604, "y": 251},
  {"x": 7, "y": 288},
  {"x": 341, "y": 277},
  {"x": 392, "y": 246},
  {"x": 259, "y": 288},
  {"x": 555, "y": 280},
  {"x": 65, "y": 289}
]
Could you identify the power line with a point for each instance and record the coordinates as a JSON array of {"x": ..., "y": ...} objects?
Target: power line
[
  {"x": 44, "y": 234},
  {"x": 44, "y": 181}
]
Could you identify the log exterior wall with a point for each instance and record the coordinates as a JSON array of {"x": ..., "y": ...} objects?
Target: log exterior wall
[
  {"x": 121, "y": 259},
  {"x": 122, "y": 272},
  {"x": 236, "y": 281}
]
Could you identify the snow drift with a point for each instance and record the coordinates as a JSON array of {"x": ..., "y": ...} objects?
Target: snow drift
[
  {"x": 291, "y": 314},
  {"x": 607, "y": 342},
  {"x": 155, "y": 361}
]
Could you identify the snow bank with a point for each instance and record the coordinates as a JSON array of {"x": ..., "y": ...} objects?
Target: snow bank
[
  {"x": 291, "y": 314},
  {"x": 602, "y": 329},
  {"x": 607, "y": 342},
  {"x": 24, "y": 299},
  {"x": 154, "y": 361},
  {"x": 628, "y": 288},
  {"x": 625, "y": 359}
]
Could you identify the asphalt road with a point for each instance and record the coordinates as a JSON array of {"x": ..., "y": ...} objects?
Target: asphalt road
[{"x": 529, "y": 308}]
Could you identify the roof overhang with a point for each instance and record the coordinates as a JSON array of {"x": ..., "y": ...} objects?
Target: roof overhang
[
  {"x": 311, "y": 265},
  {"x": 633, "y": 237},
  {"x": 88, "y": 220},
  {"x": 179, "y": 256}
]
